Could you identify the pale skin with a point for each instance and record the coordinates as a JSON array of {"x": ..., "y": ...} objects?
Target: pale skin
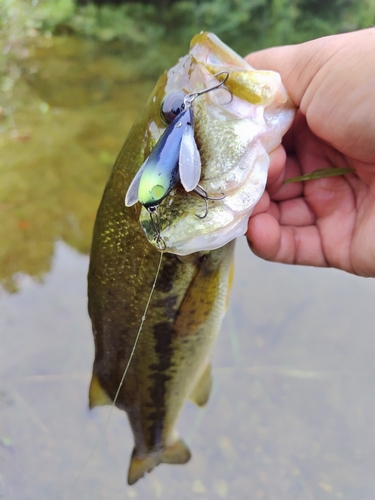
[{"x": 326, "y": 222}]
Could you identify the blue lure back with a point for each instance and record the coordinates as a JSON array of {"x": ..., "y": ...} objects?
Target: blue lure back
[{"x": 175, "y": 158}]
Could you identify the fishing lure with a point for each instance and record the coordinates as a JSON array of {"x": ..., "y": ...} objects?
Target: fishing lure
[{"x": 175, "y": 158}]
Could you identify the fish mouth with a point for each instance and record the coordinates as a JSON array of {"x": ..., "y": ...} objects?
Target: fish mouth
[
  {"x": 183, "y": 231},
  {"x": 235, "y": 130}
]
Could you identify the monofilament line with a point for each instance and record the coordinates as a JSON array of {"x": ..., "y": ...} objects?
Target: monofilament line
[{"x": 121, "y": 381}]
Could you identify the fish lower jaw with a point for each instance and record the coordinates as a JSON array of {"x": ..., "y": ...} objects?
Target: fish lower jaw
[
  {"x": 211, "y": 241},
  {"x": 225, "y": 221}
]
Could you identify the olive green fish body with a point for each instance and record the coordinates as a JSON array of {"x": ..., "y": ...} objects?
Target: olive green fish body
[
  {"x": 183, "y": 319},
  {"x": 170, "y": 363}
]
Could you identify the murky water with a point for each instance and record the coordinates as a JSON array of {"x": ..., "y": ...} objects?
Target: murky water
[{"x": 292, "y": 413}]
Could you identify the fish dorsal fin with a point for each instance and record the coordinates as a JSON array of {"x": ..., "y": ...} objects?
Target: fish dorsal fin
[
  {"x": 202, "y": 389},
  {"x": 177, "y": 453},
  {"x": 97, "y": 396}
]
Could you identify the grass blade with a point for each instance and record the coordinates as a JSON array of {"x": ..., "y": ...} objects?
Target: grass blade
[{"x": 320, "y": 174}]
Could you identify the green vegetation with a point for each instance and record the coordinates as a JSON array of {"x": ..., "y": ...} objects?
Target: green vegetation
[
  {"x": 152, "y": 35},
  {"x": 245, "y": 24},
  {"x": 157, "y": 32}
]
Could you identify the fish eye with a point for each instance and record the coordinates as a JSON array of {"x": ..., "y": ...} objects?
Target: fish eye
[{"x": 172, "y": 106}]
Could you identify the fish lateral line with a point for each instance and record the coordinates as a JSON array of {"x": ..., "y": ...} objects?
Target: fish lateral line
[{"x": 113, "y": 404}]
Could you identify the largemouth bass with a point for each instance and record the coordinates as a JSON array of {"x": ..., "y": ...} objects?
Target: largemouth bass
[{"x": 234, "y": 130}]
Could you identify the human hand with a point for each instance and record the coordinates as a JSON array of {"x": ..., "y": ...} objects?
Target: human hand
[{"x": 328, "y": 222}]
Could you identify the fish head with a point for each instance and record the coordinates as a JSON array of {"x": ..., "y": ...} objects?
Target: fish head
[{"x": 236, "y": 126}]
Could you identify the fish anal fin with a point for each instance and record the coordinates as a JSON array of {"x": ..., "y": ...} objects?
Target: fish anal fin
[
  {"x": 97, "y": 396},
  {"x": 202, "y": 389},
  {"x": 177, "y": 453}
]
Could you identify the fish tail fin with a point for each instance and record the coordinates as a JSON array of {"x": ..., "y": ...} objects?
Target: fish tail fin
[
  {"x": 140, "y": 465},
  {"x": 178, "y": 453},
  {"x": 97, "y": 396}
]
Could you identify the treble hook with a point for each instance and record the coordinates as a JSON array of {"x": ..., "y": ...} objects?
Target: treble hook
[
  {"x": 200, "y": 191},
  {"x": 154, "y": 216},
  {"x": 189, "y": 98}
]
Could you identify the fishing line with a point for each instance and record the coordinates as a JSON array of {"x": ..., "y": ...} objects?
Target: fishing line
[{"x": 122, "y": 379}]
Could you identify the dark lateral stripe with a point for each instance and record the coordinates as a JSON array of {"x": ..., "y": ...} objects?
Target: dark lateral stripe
[
  {"x": 159, "y": 377},
  {"x": 168, "y": 272}
]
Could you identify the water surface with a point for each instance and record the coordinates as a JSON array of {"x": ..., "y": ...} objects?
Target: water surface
[{"x": 292, "y": 410}]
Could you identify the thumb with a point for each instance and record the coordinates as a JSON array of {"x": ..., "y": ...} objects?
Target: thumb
[
  {"x": 297, "y": 64},
  {"x": 331, "y": 80}
]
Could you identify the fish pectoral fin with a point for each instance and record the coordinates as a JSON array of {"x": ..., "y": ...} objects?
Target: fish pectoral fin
[
  {"x": 139, "y": 466},
  {"x": 177, "y": 453},
  {"x": 202, "y": 389},
  {"x": 97, "y": 396}
]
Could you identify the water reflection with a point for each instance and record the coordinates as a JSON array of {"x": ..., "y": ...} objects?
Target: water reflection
[
  {"x": 292, "y": 411},
  {"x": 70, "y": 113}
]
